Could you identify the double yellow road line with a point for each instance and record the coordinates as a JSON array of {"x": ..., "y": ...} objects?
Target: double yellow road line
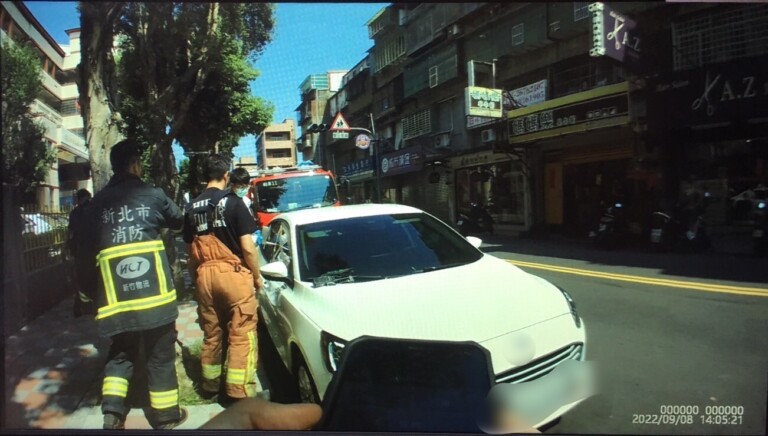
[{"x": 697, "y": 286}]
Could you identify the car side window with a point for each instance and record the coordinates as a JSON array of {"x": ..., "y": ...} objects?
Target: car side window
[{"x": 278, "y": 244}]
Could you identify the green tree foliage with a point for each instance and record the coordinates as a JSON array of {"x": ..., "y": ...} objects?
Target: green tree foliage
[
  {"x": 184, "y": 175},
  {"x": 26, "y": 156},
  {"x": 184, "y": 74}
]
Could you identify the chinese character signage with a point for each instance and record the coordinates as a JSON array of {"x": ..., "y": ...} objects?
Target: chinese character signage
[
  {"x": 530, "y": 95},
  {"x": 357, "y": 167},
  {"x": 483, "y": 102},
  {"x": 718, "y": 94},
  {"x": 401, "y": 162},
  {"x": 475, "y": 122},
  {"x": 588, "y": 114},
  {"x": 613, "y": 34}
]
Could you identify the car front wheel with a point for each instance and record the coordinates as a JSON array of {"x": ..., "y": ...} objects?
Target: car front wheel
[{"x": 304, "y": 383}]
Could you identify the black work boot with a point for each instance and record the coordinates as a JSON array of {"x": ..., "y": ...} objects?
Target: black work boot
[
  {"x": 113, "y": 421},
  {"x": 173, "y": 424}
]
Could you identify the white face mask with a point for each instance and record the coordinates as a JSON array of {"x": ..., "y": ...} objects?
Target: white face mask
[{"x": 241, "y": 192}]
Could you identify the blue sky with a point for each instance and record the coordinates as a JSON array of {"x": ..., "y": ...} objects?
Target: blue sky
[{"x": 310, "y": 38}]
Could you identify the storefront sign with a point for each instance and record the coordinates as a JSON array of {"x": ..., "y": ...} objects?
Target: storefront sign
[
  {"x": 483, "y": 102},
  {"x": 401, "y": 161},
  {"x": 570, "y": 114},
  {"x": 475, "y": 122},
  {"x": 613, "y": 34},
  {"x": 717, "y": 94},
  {"x": 357, "y": 167},
  {"x": 484, "y": 157},
  {"x": 530, "y": 95},
  {"x": 362, "y": 141}
]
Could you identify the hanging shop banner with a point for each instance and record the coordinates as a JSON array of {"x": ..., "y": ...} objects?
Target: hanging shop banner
[
  {"x": 601, "y": 107},
  {"x": 402, "y": 161},
  {"x": 614, "y": 35},
  {"x": 357, "y": 167},
  {"x": 530, "y": 95},
  {"x": 718, "y": 94},
  {"x": 483, "y": 102}
]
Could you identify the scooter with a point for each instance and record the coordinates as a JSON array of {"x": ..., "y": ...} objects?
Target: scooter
[
  {"x": 760, "y": 230},
  {"x": 669, "y": 232},
  {"x": 611, "y": 229},
  {"x": 478, "y": 221}
]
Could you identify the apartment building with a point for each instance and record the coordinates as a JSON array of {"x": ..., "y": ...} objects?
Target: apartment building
[
  {"x": 277, "y": 145},
  {"x": 315, "y": 91},
  {"x": 57, "y": 107}
]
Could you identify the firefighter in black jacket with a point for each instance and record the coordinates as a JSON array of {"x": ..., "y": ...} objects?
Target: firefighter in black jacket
[{"x": 135, "y": 297}]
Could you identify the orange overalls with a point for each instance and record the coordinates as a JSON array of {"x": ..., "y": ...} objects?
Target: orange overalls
[{"x": 225, "y": 295}]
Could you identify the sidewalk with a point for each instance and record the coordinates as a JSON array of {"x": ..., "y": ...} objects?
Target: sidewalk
[{"x": 54, "y": 367}]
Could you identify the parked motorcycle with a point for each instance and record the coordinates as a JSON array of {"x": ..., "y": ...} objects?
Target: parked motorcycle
[
  {"x": 676, "y": 231},
  {"x": 611, "y": 230},
  {"x": 760, "y": 230},
  {"x": 477, "y": 221}
]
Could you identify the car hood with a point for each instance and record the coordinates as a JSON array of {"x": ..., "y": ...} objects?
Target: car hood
[{"x": 476, "y": 302}]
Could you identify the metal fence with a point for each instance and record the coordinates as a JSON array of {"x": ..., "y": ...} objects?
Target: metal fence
[{"x": 44, "y": 235}]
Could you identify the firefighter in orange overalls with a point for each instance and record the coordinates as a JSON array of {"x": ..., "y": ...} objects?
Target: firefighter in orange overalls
[{"x": 219, "y": 228}]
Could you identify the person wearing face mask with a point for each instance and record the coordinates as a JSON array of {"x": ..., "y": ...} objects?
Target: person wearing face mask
[
  {"x": 240, "y": 185},
  {"x": 218, "y": 229}
]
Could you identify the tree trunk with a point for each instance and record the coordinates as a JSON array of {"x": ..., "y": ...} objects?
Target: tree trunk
[{"x": 96, "y": 74}]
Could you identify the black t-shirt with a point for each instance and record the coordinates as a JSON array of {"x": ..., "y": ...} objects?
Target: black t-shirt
[{"x": 231, "y": 219}]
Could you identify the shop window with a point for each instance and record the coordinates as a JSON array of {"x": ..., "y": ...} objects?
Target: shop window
[
  {"x": 584, "y": 74},
  {"x": 499, "y": 187}
]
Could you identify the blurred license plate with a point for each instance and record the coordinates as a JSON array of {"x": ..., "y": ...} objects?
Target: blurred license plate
[{"x": 757, "y": 233}]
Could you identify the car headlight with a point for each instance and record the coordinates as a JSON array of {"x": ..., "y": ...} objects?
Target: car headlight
[
  {"x": 571, "y": 306},
  {"x": 332, "y": 349}
]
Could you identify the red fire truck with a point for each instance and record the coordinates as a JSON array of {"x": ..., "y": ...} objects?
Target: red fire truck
[{"x": 280, "y": 190}]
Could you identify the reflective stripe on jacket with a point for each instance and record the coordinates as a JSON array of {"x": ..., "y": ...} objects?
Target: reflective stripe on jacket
[{"x": 136, "y": 290}]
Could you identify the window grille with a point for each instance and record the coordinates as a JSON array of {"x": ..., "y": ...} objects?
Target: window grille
[
  {"x": 720, "y": 35},
  {"x": 417, "y": 124},
  {"x": 518, "y": 34},
  {"x": 580, "y": 10},
  {"x": 390, "y": 51}
]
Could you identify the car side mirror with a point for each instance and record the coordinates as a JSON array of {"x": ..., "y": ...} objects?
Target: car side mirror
[
  {"x": 476, "y": 242},
  {"x": 276, "y": 271}
]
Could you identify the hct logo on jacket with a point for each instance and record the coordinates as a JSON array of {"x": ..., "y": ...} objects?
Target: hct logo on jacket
[{"x": 132, "y": 267}]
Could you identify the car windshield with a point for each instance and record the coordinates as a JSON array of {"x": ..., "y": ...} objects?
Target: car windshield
[
  {"x": 282, "y": 195},
  {"x": 380, "y": 246}
]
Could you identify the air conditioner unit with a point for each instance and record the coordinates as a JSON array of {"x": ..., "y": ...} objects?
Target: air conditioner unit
[
  {"x": 488, "y": 135},
  {"x": 454, "y": 30},
  {"x": 442, "y": 140}
]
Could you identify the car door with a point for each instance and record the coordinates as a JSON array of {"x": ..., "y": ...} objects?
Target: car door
[{"x": 277, "y": 248}]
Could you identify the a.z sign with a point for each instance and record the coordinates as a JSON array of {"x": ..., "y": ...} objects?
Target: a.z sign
[{"x": 613, "y": 34}]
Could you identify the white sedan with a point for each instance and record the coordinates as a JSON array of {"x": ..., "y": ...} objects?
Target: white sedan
[{"x": 337, "y": 273}]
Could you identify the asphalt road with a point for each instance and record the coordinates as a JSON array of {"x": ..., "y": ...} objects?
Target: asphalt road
[{"x": 664, "y": 340}]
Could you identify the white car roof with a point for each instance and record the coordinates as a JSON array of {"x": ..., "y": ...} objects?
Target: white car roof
[{"x": 307, "y": 216}]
